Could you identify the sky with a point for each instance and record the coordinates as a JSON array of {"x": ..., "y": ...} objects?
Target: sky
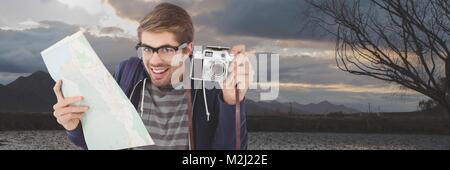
[{"x": 308, "y": 73}]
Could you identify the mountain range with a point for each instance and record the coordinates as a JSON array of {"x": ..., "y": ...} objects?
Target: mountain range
[
  {"x": 34, "y": 93},
  {"x": 292, "y": 108}
]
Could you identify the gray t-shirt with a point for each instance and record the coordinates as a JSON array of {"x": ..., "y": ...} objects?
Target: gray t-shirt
[{"x": 165, "y": 117}]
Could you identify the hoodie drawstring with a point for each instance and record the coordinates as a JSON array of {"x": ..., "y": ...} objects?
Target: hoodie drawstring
[
  {"x": 206, "y": 104},
  {"x": 142, "y": 98}
]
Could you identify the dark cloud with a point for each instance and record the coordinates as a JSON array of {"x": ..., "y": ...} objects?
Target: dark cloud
[
  {"x": 20, "y": 49},
  {"x": 137, "y": 9},
  {"x": 112, "y": 50},
  {"x": 111, "y": 30},
  {"x": 265, "y": 18},
  {"x": 131, "y": 9},
  {"x": 45, "y": 1},
  {"x": 314, "y": 70}
]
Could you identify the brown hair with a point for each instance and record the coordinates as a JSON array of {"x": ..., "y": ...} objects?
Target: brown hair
[{"x": 171, "y": 18}]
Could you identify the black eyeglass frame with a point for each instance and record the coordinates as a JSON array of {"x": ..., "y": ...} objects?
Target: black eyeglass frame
[{"x": 182, "y": 46}]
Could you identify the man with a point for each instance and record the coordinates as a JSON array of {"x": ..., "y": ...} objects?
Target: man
[{"x": 165, "y": 34}]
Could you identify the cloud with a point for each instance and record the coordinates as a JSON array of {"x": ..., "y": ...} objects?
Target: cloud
[
  {"x": 137, "y": 9},
  {"x": 13, "y": 12},
  {"x": 112, "y": 50},
  {"x": 111, "y": 30},
  {"x": 93, "y": 7},
  {"x": 349, "y": 88},
  {"x": 267, "y": 18},
  {"x": 6, "y": 77},
  {"x": 306, "y": 79},
  {"x": 20, "y": 49},
  {"x": 266, "y": 26},
  {"x": 131, "y": 9},
  {"x": 318, "y": 70},
  {"x": 87, "y": 13}
]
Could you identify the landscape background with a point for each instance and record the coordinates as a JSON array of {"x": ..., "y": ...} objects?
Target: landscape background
[
  {"x": 318, "y": 107},
  {"x": 24, "y": 108}
]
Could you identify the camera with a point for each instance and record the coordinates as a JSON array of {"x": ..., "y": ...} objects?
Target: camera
[{"x": 211, "y": 63}]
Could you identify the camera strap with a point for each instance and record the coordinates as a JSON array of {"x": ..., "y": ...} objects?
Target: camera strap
[{"x": 238, "y": 121}]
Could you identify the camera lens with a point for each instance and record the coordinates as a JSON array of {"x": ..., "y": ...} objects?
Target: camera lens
[
  {"x": 223, "y": 55},
  {"x": 217, "y": 69}
]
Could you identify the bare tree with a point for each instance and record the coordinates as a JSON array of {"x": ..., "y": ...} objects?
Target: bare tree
[{"x": 400, "y": 41}]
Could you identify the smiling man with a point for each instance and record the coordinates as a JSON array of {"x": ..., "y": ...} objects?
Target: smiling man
[{"x": 172, "y": 118}]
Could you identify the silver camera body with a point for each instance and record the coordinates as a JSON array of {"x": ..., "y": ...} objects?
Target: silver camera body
[{"x": 211, "y": 63}]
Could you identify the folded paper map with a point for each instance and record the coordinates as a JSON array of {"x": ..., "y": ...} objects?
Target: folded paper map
[{"x": 111, "y": 121}]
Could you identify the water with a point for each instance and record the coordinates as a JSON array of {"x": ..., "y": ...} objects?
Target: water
[{"x": 45, "y": 140}]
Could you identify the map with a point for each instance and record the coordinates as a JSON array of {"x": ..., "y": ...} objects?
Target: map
[{"x": 111, "y": 122}]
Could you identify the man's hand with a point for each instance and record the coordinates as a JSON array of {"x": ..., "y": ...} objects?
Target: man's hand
[
  {"x": 241, "y": 75},
  {"x": 66, "y": 115}
]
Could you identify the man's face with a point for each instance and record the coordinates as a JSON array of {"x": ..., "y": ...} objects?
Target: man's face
[{"x": 158, "y": 67}]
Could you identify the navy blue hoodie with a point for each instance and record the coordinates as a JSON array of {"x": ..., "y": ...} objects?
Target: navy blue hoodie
[{"x": 219, "y": 133}]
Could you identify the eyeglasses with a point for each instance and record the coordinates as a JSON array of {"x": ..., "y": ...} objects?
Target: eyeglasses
[{"x": 165, "y": 51}]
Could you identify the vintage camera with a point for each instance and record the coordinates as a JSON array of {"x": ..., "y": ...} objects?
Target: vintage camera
[{"x": 211, "y": 63}]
